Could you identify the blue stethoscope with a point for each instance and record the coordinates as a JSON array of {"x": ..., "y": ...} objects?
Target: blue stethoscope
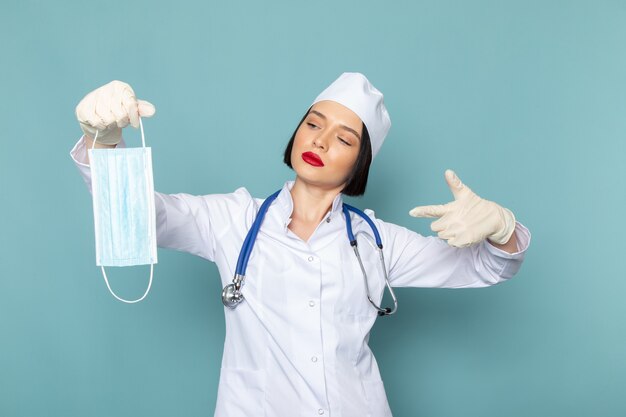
[{"x": 232, "y": 296}]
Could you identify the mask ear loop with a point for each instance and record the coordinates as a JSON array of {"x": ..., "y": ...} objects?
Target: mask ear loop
[
  {"x": 104, "y": 274},
  {"x": 93, "y": 145}
]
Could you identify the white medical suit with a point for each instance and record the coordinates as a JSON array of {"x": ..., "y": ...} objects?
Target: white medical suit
[{"x": 297, "y": 345}]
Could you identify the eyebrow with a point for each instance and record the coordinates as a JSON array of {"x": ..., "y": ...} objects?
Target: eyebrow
[{"x": 349, "y": 129}]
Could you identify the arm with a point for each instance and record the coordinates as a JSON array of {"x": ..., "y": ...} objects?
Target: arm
[
  {"x": 184, "y": 222},
  {"x": 510, "y": 246},
  {"x": 418, "y": 261}
]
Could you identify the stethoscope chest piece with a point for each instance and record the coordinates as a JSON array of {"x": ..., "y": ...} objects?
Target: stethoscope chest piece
[{"x": 231, "y": 296}]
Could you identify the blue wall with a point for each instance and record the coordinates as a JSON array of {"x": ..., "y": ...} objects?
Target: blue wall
[{"x": 525, "y": 100}]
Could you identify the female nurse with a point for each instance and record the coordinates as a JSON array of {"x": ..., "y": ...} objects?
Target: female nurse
[{"x": 297, "y": 345}]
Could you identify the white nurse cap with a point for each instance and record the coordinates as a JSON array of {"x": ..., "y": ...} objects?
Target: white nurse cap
[{"x": 355, "y": 92}]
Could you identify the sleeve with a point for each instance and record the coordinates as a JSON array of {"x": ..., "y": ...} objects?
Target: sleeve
[
  {"x": 184, "y": 222},
  {"x": 419, "y": 261}
]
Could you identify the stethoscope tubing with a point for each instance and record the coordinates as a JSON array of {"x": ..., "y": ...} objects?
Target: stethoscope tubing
[
  {"x": 232, "y": 296},
  {"x": 248, "y": 244},
  {"x": 346, "y": 208}
]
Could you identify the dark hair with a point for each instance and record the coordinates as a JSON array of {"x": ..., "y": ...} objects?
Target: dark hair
[{"x": 357, "y": 179}]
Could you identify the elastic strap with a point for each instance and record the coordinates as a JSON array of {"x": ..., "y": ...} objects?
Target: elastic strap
[
  {"x": 93, "y": 145},
  {"x": 104, "y": 274},
  {"x": 143, "y": 139}
]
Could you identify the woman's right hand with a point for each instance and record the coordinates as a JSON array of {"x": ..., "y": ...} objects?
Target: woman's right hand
[{"x": 110, "y": 108}]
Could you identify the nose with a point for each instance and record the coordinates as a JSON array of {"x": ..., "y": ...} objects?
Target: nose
[{"x": 321, "y": 140}]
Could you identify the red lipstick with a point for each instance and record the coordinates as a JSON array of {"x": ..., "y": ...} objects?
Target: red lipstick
[{"x": 312, "y": 159}]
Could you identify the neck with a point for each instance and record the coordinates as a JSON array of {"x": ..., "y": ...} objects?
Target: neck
[{"x": 311, "y": 203}]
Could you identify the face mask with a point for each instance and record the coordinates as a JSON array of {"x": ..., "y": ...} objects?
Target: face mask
[{"x": 123, "y": 208}]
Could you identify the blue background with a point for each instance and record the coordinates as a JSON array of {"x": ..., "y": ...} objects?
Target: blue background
[{"x": 525, "y": 100}]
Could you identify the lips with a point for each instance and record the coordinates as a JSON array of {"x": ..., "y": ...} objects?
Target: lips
[{"x": 312, "y": 159}]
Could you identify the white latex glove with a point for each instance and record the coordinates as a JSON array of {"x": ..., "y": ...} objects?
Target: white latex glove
[
  {"x": 110, "y": 108},
  {"x": 468, "y": 219}
]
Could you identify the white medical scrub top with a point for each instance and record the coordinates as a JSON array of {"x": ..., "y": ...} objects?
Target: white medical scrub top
[{"x": 298, "y": 344}]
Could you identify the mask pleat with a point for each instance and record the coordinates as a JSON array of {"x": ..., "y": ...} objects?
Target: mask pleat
[{"x": 123, "y": 205}]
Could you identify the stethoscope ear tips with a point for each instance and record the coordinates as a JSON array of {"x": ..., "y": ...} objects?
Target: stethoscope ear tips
[{"x": 385, "y": 313}]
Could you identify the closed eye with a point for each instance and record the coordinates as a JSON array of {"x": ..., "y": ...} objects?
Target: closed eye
[
  {"x": 311, "y": 124},
  {"x": 345, "y": 142}
]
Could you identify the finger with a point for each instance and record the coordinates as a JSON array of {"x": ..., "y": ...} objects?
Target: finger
[
  {"x": 146, "y": 109},
  {"x": 457, "y": 187},
  {"x": 85, "y": 108},
  {"x": 130, "y": 104},
  {"x": 458, "y": 242},
  {"x": 100, "y": 113},
  {"x": 436, "y": 210},
  {"x": 107, "y": 109},
  {"x": 453, "y": 242},
  {"x": 456, "y": 236},
  {"x": 122, "y": 89},
  {"x": 446, "y": 234},
  {"x": 441, "y": 224},
  {"x": 119, "y": 112}
]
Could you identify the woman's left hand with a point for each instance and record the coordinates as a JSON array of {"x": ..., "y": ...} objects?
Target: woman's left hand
[{"x": 468, "y": 219}]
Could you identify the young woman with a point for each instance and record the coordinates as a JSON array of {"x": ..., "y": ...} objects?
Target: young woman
[{"x": 297, "y": 328}]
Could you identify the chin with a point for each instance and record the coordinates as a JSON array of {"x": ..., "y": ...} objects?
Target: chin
[{"x": 318, "y": 182}]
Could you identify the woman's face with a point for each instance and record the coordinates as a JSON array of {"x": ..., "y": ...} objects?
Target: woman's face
[{"x": 326, "y": 145}]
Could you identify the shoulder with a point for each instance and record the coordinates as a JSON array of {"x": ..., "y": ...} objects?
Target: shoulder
[
  {"x": 389, "y": 231},
  {"x": 230, "y": 205},
  {"x": 240, "y": 196}
]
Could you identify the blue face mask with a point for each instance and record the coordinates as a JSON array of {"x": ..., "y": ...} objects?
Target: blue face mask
[{"x": 123, "y": 207}]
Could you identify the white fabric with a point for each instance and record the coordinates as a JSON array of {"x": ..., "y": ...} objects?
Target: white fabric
[
  {"x": 353, "y": 90},
  {"x": 297, "y": 345}
]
